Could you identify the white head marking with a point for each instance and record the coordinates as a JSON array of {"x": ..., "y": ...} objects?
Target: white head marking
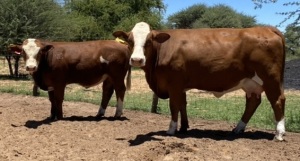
[
  {"x": 139, "y": 32},
  {"x": 31, "y": 50}
]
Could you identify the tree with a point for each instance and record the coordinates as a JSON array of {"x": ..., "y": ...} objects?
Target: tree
[
  {"x": 200, "y": 16},
  {"x": 292, "y": 35},
  {"x": 26, "y": 18},
  {"x": 289, "y": 14},
  {"x": 45, "y": 19},
  {"x": 110, "y": 15},
  {"x": 185, "y": 18}
]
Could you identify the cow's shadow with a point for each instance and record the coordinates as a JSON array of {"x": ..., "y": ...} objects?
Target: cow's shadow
[
  {"x": 34, "y": 124},
  {"x": 197, "y": 133}
]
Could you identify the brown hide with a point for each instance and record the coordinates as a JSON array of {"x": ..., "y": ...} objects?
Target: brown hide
[
  {"x": 63, "y": 63},
  {"x": 214, "y": 60}
]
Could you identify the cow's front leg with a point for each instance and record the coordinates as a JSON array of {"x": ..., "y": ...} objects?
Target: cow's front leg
[
  {"x": 53, "y": 105},
  {"x": 35, "y": 90},
  {"x": 56, "y": 97},
  {"x": 107, "y": 92},
  {"x": 177, "y": 103},
  {"x": 252, "y": 102}
]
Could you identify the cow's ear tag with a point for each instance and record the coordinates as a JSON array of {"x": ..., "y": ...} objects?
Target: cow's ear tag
[
  {"x": 120, "y": 40},
  {"x": 17, "y": 52}
]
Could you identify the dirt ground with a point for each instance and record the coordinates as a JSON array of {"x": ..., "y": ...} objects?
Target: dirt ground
[{"x": 26, "y": 134}]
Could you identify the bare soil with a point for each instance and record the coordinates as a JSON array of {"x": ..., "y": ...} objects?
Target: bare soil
[{"x": 26, "y": 134}]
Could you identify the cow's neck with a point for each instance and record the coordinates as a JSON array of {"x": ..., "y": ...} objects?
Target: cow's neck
[
  {"x": 43, "y": 68},
  {"x": 151, "y": 67}
]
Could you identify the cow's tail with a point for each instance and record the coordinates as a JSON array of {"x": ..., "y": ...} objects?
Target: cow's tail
[
  {"x": 128, "y": 79},
  {"x": 276, "y": 31}
]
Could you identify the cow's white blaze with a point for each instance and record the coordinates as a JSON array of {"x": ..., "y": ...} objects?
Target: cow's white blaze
[
  {"x": 172, "y": 128},
  {"x": 280, "y": 129},
  {"x": 139, "y": 32},
  {"x": 31, "y": 50},
  {"x": 119, "y": 110}
]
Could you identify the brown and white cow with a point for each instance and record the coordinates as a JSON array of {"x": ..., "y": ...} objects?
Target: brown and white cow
[
  {"x": 215, "y": 60},
  {"x": 54, "y": 65}
]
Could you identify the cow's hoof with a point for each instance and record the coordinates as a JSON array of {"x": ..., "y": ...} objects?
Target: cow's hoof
[
  {"x": 182, "y": 130},
  {"x": 98, "y": 117},
  {"x": 279, "y": 137},
  {"x": 117, "y": 117},
  {"x": 52, "y": 118},
  {"x": 171, "y": 132},
  {"x": 118, "y": 114},
  {"x": 238, "y": 131}
]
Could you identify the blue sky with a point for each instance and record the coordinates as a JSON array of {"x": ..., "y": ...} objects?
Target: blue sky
[{"x": 266, "y": 15}]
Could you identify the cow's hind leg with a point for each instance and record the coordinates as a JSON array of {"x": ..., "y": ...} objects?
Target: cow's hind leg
[
  {"x": 184, "y": 118},
  {"x": 108, "y": 90},
  {"x": 275, "y": 95},
  {"x": 120, "y": 93},
  {"x": 252, "y": 102}
]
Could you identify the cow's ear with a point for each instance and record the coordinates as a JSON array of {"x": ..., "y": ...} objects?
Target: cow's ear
[
  {"x": 160, "y": 36},
  {"x": 15, "y": 48},
  {"x": 121, "y": 34},
  {"x": 46, "y": 47}
]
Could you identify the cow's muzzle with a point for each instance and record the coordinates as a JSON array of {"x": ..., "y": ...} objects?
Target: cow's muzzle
[
  {"x": 137, "y": 62},
  {"x": 31, "y": 69}
]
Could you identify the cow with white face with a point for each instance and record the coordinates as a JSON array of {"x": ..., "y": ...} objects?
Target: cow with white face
[
  {"x": 54, "y": 65},
  {"x": 31, "y": 50},
  {"x": 215, "y": 60}
]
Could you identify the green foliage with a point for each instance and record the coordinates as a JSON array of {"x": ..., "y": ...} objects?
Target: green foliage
[
  {"x": 288, "y": 14},
  {"x": 185, "y": 18},
  {"x": 259, "y": 3},
  {"x": 111, "y": 15},
  {"x": 75, "y": 20},
  {"x": 200, "y": 16},
  {"x": 27, "y": 18},
  {"x": 292, "y": 36}
]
